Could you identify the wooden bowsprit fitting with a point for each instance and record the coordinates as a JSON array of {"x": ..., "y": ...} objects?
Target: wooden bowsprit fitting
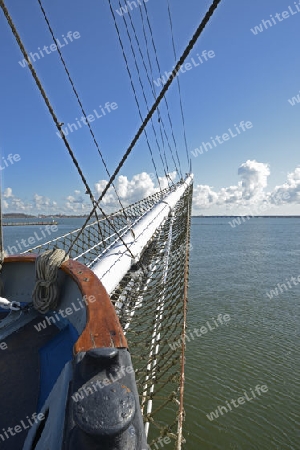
[{"x": 86, "y": 331}]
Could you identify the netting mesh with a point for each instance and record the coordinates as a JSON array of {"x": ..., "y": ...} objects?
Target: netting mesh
[
  {"x": 98, "y": 236},
  {"x": 150, "y": 302}
]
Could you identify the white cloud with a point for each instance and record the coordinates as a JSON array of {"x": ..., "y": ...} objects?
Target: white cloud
[
  {"x": 254, "y": 179},
  {"x": 289, "y": 192},
  {"x": 250, "y": 191},
  {"x": 7, "y": 193},
  {"x": 77, "y": 204},
  {"x": 204, "y": 196},
  {"x": 130, "y": 191},
  {"x": 43, "y": 204},
  {"x": 13, "y": 204},
  {"x": 18, "y": 205}
]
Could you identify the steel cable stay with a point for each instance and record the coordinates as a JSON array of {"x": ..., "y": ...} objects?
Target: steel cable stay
[
  {"x": 155, "y": 95},
  {"x": 154, "y": 90},
  {"x": 44, "y": 95},
  {"x": 160, "y": 119},
  {"x": 141, "y": 84},
  {"x": 79, "y": 101},
  {"x": 133, "y": 89},
  {"x": 86, "y": 119},
  {"x": 165, "y": 99},
  {"x": 153, "y": 109},
  {"x": 178, "y": 84},
  {"x": 56, "y": 121}
]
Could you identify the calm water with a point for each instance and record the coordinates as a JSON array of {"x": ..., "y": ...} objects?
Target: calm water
[
  {"x": 35, "y": 235},
  {"x": 231, "y": 271}
]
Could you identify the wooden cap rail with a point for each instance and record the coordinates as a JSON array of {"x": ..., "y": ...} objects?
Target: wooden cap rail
[{"x": 103, "y": 328}]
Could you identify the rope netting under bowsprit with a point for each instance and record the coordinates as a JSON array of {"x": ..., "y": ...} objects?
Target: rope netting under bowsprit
[
  {"x": 89, "y": 245},
  {"x": 150, "y": 302}
]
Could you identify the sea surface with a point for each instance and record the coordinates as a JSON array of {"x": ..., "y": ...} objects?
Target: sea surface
[
  {"x": 254, "y": 355},
  {"x": 231, "y": 272}
]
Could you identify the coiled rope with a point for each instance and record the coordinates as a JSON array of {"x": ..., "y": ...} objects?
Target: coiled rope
[{"x": 46, "y": 294}]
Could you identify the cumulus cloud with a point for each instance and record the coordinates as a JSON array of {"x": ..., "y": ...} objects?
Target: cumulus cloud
[
  {"x": 38, "y": 204},
  {"x": 254, "y": 179},
  {"x": 7, "y": 193},
  {"x": 77, "y": 204},
  {"x": 250, "y": 191},
  {"x": 289, "y": 192},
  {"x": 41, "y": 203},
  {"x": 13, "y": 203},
  {"x": 204, "y": 196},
  {"x": 250, "y": 188},
  {"x": 131, "y": 190}
]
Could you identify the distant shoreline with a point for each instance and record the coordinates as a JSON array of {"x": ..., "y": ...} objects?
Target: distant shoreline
[
  {"x": 41, "y": 216},
  {"x": 62, "y": 216},
  {"x": 257, "y": 217}
]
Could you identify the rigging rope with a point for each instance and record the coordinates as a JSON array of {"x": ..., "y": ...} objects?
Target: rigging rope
[
  {"x": 55, "y": 119},
  {"x": 133, "y": 88},
  {"x": 2, "y": 253},
  {"x": 79, "y": 101},
  {"x": 175, "y": 71},
  {"x": 154, "y": 95},
  {"x": 44, "y": 95},
  {"x": 178, "y": 83},
  {"x": 139, "y": 75},
  {"x": 165, "y": 99},
  {"x": 156, "y": 298}
]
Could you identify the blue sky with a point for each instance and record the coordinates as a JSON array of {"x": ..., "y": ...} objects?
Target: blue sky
[{"x": 250, "y": 78}]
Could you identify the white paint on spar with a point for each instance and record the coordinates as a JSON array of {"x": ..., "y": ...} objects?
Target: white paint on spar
[{"x": 114, "y": 265}]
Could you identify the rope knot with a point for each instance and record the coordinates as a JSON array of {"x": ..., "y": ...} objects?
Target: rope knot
[{"x": 45, "y": 294}]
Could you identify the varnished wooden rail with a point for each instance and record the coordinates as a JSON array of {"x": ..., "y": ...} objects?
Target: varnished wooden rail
[{"x": 103, "y": 328}]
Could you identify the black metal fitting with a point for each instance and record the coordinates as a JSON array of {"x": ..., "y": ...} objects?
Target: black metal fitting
[{"x": 104, "y": 411}]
